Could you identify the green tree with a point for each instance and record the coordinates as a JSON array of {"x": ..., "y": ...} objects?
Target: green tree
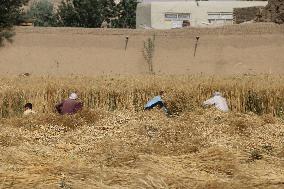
[
  {"x": 42, "y": 13},
  {"x": 85, "y": 13},
  {"x": 126, "y": 16},
  {"x": 67, "y": 15},
  {"x": 9, "y": 14},
  {"x": 89, "y": 12},
  {"x": 109, "y": 10}
]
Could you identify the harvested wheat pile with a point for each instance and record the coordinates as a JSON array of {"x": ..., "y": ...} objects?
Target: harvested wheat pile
[{"x": 122, "y": 149}]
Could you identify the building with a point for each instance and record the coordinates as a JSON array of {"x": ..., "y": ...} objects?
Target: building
[{"x": 178, "y": 14}]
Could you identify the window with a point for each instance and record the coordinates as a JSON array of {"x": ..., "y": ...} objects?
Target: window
[
  {"x": 220, "y": 17},
  {"x": 183, "y": 16},
  {"x": 177, "y": 16}
]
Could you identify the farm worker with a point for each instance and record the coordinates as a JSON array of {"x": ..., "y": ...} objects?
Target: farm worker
[
  {"x": 69, "y": 106},
  {"x": 28, "y": 109},
  {"x": 218, "y": 101},
  {"x": 157, "y": 101}
]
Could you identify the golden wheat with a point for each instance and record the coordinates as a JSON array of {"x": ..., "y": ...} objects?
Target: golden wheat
[{"x": 262, "y": 94}]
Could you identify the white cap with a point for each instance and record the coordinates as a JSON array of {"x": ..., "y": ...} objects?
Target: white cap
[
  {"x": 217, "y": 93},
  {"x": 73, "y": 96}
]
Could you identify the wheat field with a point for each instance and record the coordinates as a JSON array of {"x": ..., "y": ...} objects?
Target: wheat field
[
  {"x": 261, "y": 94},
  {"x": 112, "y": 143}
]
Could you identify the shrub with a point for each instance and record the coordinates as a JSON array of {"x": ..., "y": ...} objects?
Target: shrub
[
  {"x": 148, "y": 52},
  {"x": 85, "y": 13},
  {"x": 9, "y": 14},
  {"x": 42, "y": 13},
  {"x": 126, "y": 14}
]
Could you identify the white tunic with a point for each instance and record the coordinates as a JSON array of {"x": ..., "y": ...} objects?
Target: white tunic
[
  {"x": 28, "y": 112},
  {"x": 219, "y": 102}
]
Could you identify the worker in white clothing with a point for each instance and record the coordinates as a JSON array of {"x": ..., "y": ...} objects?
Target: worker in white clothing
[{"x": 218, "y": 101}]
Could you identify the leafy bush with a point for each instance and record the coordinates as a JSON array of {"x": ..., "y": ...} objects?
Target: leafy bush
[
  {"x": 66, "y": 14},
  {"x": 85, "y": 13},
  {"x": 92, "y": 13},
  {"x": 9, "y": 13},
  {"x": 42, "y": 13},
  {"x": 148, "y": 52},
  {"x": 126, "y": 14}
]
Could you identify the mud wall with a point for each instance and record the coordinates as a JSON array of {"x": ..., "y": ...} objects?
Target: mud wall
[{"x": 240, "y": 49}]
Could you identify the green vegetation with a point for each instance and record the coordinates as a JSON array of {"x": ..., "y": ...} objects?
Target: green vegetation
[
  {"x": 42, "y": 13},
  {"x": 10, "y": 11},
  {"x": 148, "y": 52},
  {"x": 84, "y": 13},
  {"x": 126, "y": 14}
]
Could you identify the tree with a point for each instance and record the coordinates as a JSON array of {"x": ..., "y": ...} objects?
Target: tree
[
  {"x": 67, "y": 15},
  {"x": 126, "y": 16},
  {"x": 9, "y": 13},
  {"x": 109, "y": 10},
  {"x": 91, "y": 13},
  {"x": 42, "y": 13},
  {"x": 85, "y": 13}
]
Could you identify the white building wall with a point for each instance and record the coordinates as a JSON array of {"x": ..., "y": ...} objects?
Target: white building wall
[
  {"x": 159, "y": 9},
  {"x": 143, "y": 16},
  {"x": 199, "y": 14}
]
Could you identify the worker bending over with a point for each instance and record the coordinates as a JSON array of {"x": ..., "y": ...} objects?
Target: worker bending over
[
  {"x": 218, "y": 101},
  {"x": 157, "y": 101},
  {"x": 69, "y": 106}
]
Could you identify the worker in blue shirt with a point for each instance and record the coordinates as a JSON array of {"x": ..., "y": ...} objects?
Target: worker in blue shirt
[{"x": 157, "y": 101}]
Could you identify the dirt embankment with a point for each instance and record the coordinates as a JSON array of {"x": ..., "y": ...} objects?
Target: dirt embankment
[{"x": 256, "y": 48}]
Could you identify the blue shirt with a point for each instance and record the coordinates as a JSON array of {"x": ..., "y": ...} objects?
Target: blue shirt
[{"x": 153, "y": 101}]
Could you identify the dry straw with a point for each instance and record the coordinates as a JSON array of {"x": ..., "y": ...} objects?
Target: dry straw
[{"x": 123, "y": 149}]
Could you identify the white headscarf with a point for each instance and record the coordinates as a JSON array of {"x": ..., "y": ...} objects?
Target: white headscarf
[{"x": 73, "y": 96}]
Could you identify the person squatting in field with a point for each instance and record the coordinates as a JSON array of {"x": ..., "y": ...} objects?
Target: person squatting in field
[
  {"x": 157, "y": 101},
  {"x": 218, "y": 101},
  {"x": 69, "y": 106},
  {"x": 28, "y": 109}
]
